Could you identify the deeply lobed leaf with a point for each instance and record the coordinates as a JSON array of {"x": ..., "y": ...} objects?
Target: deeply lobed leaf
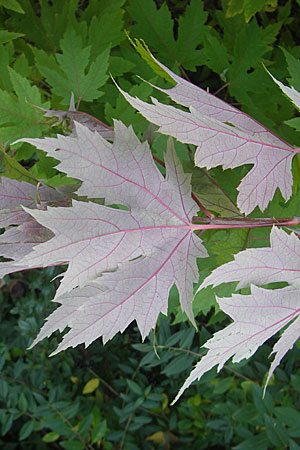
[
  {"x": 121, "y": 263},
  {"x": 18, "y": 241},
  {"x": 224, "y": 136},
  {"x": 73, "y": 71},
  {"x": 280, "y": 262},
  {"x": 256, "y": 318}
]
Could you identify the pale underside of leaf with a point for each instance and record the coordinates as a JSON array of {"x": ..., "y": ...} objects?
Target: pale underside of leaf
[
  {"x": 121, "y": 172},
  {"x": 9, "y": 267},
  {"x": 189, "y": 95},
  {"x": 280, "y": 262},
  {"x": 18, "y": 241},
  {"x": 256, "y": 317},
  {"x": 15, "y": 194},
  {"x": 137, "y": 291},
  {"x": 290, "y": 92},
  {"x": 229, "y": 146},
  {"x": 131, "y": 257},
  {"x": 15, "y": 244},
  {"x": 97, "y": 239},
  {"x": 157, "y": 207},
  {"x": 285, "y": 343}
]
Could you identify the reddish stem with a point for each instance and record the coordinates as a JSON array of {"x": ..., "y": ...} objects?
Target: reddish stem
[
  {"x": 227, "y": 222},
  {"x": 206, "y": 212},
  {"x": 221, "y": 89},
  {"x": 183, "y": 73},
  {"x": 159, "y": 161}
]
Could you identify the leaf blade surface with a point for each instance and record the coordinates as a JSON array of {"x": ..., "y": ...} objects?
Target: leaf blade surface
[
  {"x": 218, "y": 143},
  {"x": 256, "y": 317},
  {"x": 122, "y": 263}
]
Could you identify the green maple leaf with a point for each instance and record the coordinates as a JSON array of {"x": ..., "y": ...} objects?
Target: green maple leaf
[
  {"x": 18, "y": 118},
  {"x": 293, "y": 66},
  {"x": 74, "y": 72},
  {"x": 123, "y": 110},
  {"x": 191, "y": 33},
  {"x": 215, "y": 53},
  {"x": 155, "y": 27},
  {"x": 249, "y": 7},
  {"x": 246, "y": 56},
  {"x": 6, "y": 58},
  {"x": 46, "y": 25},
  {"x": 209, "y": 193},
  {"x": 6, "y": 36},
  {"x": 96, "y": 8},
  {"x": 12, "y": 169},
  {"x": 106, "y": 31},
  {"x": 226, "y": 243},
  {"x": 13, "y": 5}
]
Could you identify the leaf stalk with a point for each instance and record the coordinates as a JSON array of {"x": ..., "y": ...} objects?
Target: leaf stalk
[{"x": 206, "y": 223}]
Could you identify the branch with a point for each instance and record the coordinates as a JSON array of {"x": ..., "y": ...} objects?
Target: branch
[{"x": 206, "y": 223}]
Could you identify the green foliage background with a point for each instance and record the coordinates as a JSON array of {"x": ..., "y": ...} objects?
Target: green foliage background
[{"x": 117, "y": 396}]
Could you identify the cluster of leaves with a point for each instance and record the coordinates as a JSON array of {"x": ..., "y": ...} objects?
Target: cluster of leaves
[{"x": 146, "y": 230}]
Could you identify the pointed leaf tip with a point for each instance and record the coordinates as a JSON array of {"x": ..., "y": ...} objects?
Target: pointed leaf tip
[
  {"x": 121, "y": 263},
  {"x": 246, "y": 142}
]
